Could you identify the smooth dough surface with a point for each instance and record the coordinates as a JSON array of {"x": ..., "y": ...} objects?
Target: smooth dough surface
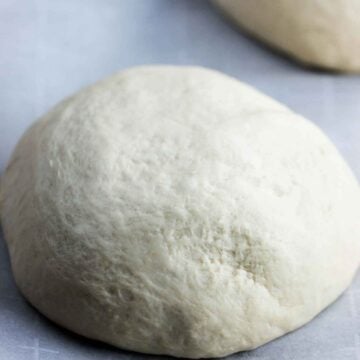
[
  {"x": 175, "y": 210},
  {"x": 322, "y": 33}
]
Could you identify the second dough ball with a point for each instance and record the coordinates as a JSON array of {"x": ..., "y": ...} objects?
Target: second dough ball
[{"x": 320, "y": 33}]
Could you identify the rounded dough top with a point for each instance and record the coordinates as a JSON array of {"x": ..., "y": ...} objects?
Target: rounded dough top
[
  {"x": 320, "y": 33},
  {"x": 175, "y": 210}
]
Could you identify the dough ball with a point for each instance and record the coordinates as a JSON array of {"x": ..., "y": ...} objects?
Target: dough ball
[
  {"x": 175, "y": 210},
  {"x": 320, "y": 33}
]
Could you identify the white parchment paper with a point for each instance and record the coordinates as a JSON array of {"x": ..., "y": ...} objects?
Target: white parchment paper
[{"x": 50, "y": 49}]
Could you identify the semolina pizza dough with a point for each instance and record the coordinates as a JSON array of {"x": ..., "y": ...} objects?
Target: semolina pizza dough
[{"x": 175, "y": 210}]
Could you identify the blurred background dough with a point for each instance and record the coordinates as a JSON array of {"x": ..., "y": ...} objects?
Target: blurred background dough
[{"x": 319, "y": 33}]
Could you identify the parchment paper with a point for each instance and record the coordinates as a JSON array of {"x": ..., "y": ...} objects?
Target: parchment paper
[{"x": 49, "y": 49}]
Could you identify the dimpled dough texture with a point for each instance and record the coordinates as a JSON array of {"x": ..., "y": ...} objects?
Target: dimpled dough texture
[
  {"x": 175, "y": 210},
  {"x": 322, "y": 33}
]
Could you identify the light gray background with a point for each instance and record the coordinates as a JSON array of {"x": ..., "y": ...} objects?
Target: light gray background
[{"x": 49, "y": 49}]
